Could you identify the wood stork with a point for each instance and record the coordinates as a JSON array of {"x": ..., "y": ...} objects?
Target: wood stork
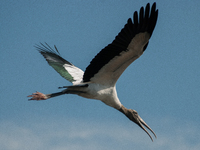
[{"x": 100, "y": 77}]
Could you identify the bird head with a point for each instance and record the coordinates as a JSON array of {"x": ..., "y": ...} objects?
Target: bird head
[{"x": 133, "y": 116}]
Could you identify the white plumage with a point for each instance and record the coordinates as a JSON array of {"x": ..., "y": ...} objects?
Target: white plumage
[{"x": 100, "y": 77}]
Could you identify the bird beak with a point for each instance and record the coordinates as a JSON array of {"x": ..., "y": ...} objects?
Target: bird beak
[{"x": 141, "y": 122}]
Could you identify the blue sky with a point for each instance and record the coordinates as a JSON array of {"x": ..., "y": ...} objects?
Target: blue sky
[{"x": 162, "y": 85}]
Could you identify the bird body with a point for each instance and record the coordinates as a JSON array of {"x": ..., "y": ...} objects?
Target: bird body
[
  {"x": 100, "y": 77},
  {"x": 105, "y": 93}
]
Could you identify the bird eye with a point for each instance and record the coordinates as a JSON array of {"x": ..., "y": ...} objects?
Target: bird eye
[{"x": 134, "y": 111}]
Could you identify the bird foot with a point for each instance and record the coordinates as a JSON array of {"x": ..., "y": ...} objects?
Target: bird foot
[{"x": 38, "y": 96}]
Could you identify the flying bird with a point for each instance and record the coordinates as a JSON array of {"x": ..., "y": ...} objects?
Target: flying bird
[{"x": 100, "y": 77}]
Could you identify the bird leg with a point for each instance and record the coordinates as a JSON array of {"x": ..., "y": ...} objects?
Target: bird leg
[{"x": 40, "y": 96}]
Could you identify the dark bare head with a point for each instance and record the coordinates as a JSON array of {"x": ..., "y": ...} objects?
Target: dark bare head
[{"x": 133, "y": 116}]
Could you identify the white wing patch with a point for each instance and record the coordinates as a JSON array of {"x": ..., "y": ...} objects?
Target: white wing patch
[
  {"x": 74, "y": 72},
  {"x": 63, "y": 67}
]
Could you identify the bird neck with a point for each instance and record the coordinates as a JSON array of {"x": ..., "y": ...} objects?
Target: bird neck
[{"x": 124, "y": 110}]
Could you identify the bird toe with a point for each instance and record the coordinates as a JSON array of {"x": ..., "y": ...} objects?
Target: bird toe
[{"x": 38, "y": 96}]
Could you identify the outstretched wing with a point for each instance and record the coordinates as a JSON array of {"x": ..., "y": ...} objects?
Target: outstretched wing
[
  {"x": 129, "y": 44},
  {"x": 62, "y": 66}
]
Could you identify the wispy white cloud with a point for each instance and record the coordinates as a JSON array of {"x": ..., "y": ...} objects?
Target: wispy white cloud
[{"x": 80, "y": 135}]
